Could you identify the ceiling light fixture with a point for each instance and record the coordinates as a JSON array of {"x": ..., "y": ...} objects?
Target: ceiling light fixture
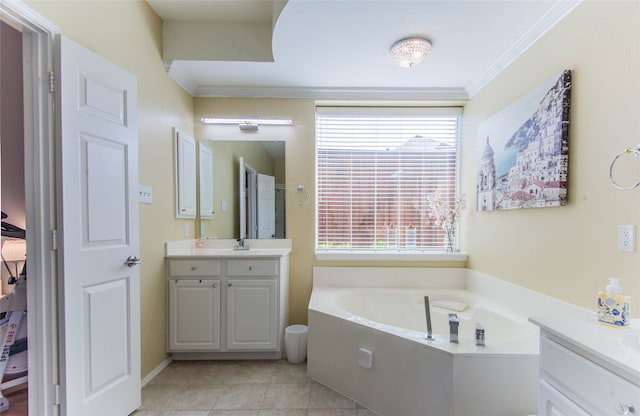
[
  {"x": 248, "y": 121},
  {"x": 411, "y": 51}
]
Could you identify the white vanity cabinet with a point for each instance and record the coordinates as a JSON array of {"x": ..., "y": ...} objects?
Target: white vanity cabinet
[
  {"x": 237, "y": 310},
  {"x": 587, "y": 369}
]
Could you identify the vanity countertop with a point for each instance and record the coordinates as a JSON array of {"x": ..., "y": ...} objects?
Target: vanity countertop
[
  {"x": 224, "y": 248},
  {"x": 616, "y": 348}
]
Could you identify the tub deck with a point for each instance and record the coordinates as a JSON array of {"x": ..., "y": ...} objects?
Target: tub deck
[{"x": 412, "y": 376}]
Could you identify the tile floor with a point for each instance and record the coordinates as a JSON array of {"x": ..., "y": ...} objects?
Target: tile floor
[{"x": 242, "y": 388}]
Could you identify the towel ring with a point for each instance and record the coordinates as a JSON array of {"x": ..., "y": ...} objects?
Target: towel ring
[
  {"x": 301, "y": 196},
  {"x": 630, "y": 150}
]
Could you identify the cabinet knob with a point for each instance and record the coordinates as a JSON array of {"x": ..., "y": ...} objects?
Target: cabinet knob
[
  {"x": 250, "y": 268},
  {"x": 623, "y": 409},
  {"x": 215, "y": 285},
  {"x": 229, "y": 284},
  {"x": 194, "y": 268}
]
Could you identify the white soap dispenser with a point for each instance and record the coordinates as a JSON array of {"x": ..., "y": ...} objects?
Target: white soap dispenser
[{"x": 613, "y": 305}]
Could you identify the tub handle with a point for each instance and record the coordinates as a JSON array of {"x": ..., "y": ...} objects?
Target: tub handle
[{"x": 623, "y": 409}]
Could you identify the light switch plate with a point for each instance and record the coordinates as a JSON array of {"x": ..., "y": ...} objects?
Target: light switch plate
[{"x": 145, "y": 194}]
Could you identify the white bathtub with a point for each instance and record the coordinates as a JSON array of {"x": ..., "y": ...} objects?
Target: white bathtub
[
  {"x": 382, "y": 310},
  {"x": 402, "y": 312}
]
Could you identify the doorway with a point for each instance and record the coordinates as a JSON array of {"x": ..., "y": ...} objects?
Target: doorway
[
  {"x": 29, "y": 174},
  {"x": 12, "y": 197}
]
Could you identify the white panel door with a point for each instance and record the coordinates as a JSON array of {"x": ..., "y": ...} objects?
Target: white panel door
[
  {"x": 266, "y": 206},
  {"x": 252, "y": 314},
  {"x": 99, "y": 306}
]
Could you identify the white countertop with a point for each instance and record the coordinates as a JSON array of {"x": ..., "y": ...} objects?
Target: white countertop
[
  {"x": 616, "y": 348},
  {"x": 224, "y": 248}
]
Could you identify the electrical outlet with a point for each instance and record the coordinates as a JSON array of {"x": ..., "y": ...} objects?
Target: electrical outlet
[{"x": 627, "y": 238}]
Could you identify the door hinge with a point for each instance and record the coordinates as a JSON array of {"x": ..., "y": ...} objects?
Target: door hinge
[
  {"x": 54, "y": 239},
  {"x": 52, "y": 82},
  {"x": 56, "y": 394}
]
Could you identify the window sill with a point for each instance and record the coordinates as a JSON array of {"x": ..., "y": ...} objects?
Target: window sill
[{"x": 379, "y": 256}]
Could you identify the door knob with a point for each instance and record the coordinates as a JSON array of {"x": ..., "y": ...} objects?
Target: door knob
[{"x": 132, "y": 261}]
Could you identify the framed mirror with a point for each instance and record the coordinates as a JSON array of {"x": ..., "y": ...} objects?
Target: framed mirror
[{"x": 241, "y": 206}]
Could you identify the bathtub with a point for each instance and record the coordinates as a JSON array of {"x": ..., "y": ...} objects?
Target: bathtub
[{"x": 356, "y": 314}]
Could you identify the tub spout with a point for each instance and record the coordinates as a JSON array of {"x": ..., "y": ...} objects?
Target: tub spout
[
  {"x": 428, "y": 314},
  {"x": 453, "y": 327}
]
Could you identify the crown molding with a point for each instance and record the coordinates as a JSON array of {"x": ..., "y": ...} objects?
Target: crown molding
[
  {"x": 554, "y": 15},
  {"x": 181, "y": 77},
  {"x": 338, "y": 93}
]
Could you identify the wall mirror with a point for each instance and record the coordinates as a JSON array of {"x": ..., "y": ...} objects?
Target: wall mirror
[{"x": 245, "y": 175}]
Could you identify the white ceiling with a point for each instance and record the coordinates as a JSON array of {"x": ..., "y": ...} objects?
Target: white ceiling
[{"x": 340, "y": 48}]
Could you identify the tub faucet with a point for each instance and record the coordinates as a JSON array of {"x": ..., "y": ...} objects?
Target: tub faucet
[
  {"x": 453, "y": 327},
  {"x": 241, "y": 245},
  {"x": 428, "y": 314}
]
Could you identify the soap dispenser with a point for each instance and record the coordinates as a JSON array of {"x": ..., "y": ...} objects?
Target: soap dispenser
[{"x": 613, "y": 305}]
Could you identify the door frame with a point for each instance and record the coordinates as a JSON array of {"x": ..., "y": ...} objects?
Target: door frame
[{"x": 38, "y": 61}]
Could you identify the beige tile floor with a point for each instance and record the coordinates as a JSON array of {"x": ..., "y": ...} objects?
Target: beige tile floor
[{"x": 242, "y": 388}]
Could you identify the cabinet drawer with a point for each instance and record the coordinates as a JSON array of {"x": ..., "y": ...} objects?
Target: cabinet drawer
[
  {"x": 591, "y": 386},
  {"x": 252, "y": 267},
  {"x": 194, "y": 268}
]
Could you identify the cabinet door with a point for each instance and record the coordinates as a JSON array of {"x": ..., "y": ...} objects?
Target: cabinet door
[
  {"x": 252, "y": 314},
  {"x": 194, "y": 315},
  {"x": 554, "y": 403},
  {"x": 185, "y": 175}
]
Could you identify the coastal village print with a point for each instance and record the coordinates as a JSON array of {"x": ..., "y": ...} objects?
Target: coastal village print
[{"x": 523, "y": 151}]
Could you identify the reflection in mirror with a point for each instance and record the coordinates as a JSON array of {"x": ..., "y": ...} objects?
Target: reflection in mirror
[{"x": 265, "y": 159}]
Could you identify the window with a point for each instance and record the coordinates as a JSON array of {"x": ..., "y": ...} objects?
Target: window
[{"x": 375, "y": 168}]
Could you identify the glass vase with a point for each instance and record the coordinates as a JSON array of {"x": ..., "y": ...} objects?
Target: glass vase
[{"x": 447, "y": 239}]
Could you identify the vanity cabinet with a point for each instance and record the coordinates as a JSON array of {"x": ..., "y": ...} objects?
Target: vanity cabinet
[
  {"x": 224, "y": 306},
  {"x": 577, "y": 381}
]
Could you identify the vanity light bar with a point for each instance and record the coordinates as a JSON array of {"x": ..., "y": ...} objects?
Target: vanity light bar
[{"x": 248, "y": 121}]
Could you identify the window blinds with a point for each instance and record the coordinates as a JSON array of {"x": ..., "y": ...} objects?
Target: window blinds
[{"x": 375, "y": 168}]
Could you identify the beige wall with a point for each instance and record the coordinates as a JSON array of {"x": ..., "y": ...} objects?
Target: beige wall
[
  {"x": 569, "y": 252},
  {"x": 128, "y": 34}
]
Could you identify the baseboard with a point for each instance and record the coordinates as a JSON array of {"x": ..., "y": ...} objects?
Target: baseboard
[{"x": 156, "y": 371}]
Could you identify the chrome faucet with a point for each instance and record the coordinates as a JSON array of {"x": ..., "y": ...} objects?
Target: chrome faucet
[
  {"x": 453, "y": 327},
  {"x": 241, "y": 245},
  {"x": 427, "y": 312}
]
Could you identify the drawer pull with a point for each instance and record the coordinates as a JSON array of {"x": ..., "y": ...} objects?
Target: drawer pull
[
  {"x": 623, "y": 409},
  {"x": 194, "y": 268},
  {"x": 250, "y": 268}
]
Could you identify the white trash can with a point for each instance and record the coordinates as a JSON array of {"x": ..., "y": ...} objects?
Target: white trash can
[{"x": 295, "y": 343}]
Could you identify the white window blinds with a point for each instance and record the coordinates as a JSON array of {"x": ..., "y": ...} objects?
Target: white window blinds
[{"x": 375, "y": 168}]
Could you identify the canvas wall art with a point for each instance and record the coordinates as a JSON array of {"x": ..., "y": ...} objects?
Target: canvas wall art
[{"x": 523, "y": 150}]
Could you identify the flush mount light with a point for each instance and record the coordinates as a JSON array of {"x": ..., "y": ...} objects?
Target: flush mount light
[
  {"x": 411, "y": 51},
  {"x": 248, "y": 121}
]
